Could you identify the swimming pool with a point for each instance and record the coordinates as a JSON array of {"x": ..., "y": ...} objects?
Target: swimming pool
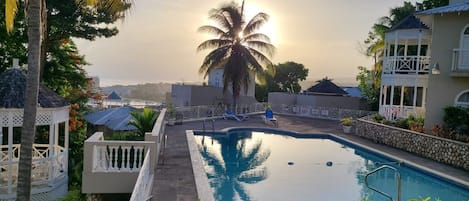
[{"x": 248, "y": 165}]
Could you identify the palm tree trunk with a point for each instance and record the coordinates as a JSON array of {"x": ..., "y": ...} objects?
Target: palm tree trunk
[{"x": 31, "y": 99}]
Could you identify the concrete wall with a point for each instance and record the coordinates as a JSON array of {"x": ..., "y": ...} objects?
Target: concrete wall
[
  {"x": 195, "y": 95},
  {"x": 345, "y": 102},
  {"x": 443, "y": 88},
  {"x": 439, "y": 149},
  {"x": 181, "y": 95}
]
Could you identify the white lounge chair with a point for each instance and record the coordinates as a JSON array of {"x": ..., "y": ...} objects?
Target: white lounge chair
[{"x": 230, "y": 115}]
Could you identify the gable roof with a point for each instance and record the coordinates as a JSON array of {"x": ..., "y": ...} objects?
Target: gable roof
[
  {"x": 13, "y": 87},
  {"x": 114, "y": 96},
  {"x": 410, "y": 22},
  {"x": 115, "y": 118},
  {"x": 326, "y": 87},
  {"x": 460, "y": 7}
]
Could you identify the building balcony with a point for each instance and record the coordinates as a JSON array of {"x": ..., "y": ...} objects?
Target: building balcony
[
  {"x": 460, "y": 64},
  {"x": 406, "y": 65}
]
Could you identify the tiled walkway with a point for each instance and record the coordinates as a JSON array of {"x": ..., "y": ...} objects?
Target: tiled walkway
[{"x": 174, "y": 180}]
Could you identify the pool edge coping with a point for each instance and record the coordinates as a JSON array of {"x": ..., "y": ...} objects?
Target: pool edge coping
[{"x": 202, "y": 185}]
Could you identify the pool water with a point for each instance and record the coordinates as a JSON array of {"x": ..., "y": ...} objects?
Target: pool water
[{"x": 246, "y": 165}]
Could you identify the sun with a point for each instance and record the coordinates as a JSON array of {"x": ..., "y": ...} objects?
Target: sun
[{"x": 269, "y": 28}]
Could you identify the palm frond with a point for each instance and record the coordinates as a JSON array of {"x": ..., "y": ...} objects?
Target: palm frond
[
  {"x": 255, "y": 23},
  {"x": 256, "y": 36},
  {"x": 212, "y": 30},
  {"x": 213, "y": 43},
  {"x": 11, "y": 8},
  {"x": 260, "y": 57},
  {"x": 262, "y": 46}
]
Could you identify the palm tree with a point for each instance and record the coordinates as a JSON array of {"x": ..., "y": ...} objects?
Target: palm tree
[
  {"x": 143, "y": 121},
  {"x": 237, "y": 48},
  {"x": 36, "y": 26},
  {"x": 237, "y": 165}
]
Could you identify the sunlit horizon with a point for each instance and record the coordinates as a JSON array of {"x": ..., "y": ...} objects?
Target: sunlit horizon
[{"x": 157, "y": 41}]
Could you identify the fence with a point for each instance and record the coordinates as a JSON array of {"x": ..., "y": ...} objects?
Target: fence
[{"x": 319, "y": 112}]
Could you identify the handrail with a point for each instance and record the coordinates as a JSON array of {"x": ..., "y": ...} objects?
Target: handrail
[
  {"x": 383, "y": 193},
  {"x": 144, "y": 183}
]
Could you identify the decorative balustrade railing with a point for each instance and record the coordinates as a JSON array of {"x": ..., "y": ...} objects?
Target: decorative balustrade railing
[
  {"x": 201, "y": 112},
  {"x": 143, "y": 185},
  {"x": 392, "y": 112},
  {"x": 117, "y": 156},
  {"x": 460, "y": 60},
  {"x": 45, "y": 170},
  {"x": 319, "y": 112},
  {"x": 406, "y": 64}
]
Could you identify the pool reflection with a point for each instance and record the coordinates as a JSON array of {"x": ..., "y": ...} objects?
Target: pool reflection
[{"x": 232, "y": 161}]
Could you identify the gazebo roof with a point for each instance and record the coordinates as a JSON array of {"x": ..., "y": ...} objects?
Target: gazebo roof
[
  {"x": 12, "y": 92},
  {"x": 326, "y": 87},
  {"x": 410, "y": 22}
]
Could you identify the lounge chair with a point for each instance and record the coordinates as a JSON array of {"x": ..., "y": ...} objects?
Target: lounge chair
[
  {"x": 230, "y": 115},
  {"x": 269, "y": 117}
]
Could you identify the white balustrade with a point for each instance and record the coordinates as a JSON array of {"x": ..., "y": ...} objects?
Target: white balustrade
[
  {"x": 319, "y": 112},
  {"x": 143, "y": 185},
  {"x": 118, "y": 156},
  {"x": 392, "y": 112},
  {"x": 406, "y": 64},
  {"x": 41, "y": 166}
]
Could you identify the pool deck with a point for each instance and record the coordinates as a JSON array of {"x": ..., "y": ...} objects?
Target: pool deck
[{"x": 174, "y": 179}]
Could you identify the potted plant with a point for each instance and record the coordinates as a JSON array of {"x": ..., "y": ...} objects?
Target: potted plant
[{"x": 346, "y": 124}]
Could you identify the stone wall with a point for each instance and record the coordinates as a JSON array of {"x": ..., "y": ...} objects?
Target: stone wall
[{"x": 439, "y": 149}]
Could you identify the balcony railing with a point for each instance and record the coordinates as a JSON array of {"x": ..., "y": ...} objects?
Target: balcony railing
[
  {"x": 114, "y": 166},
  {"x": 46, "y": 169},
  {"x": 393, "y": 112},
  {"x": 204, "y": 111},
  {"x": 460, "y": 61},
  {"x": 406, "y": 65},
  {"x": 144, "y": 183}
]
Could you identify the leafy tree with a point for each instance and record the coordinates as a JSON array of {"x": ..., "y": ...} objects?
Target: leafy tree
[
  {"x": 283, "y": 77},
  {"x": 143, "y": 121},
  {"x": 36, "y": 32},
  {"x": 237, "y": 48},
  {"x": 369, "y": 83}
]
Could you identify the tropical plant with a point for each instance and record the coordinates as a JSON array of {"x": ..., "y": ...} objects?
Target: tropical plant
[
  {"x": 143, "y": 121},
  {"x": 237, "y": 48},
  {"x": 238, "y": 164}
]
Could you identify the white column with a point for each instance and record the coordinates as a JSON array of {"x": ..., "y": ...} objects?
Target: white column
[
  {"x": 419, "y": 46},
  {"x": 401, "y": 105},
  {"x": 56, "y": 137},
  {"x": 406, "y": 46},
  {"x": 10, "y": 158},
  {"x": 396, "y": 44},
  {"x": 51, "y": 152},
  {"x": 66, "y": 147}
]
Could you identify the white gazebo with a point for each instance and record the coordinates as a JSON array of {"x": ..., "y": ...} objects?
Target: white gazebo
[
  {"x": 406, "y": 63},
  {"x": 50, "y": 156}
]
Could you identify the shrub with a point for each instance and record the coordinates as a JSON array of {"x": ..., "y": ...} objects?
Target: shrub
[
  {"x": 378, "y": 118},
  {"x": 347, "y": 121},
  {"x": 457, "y": 119}
]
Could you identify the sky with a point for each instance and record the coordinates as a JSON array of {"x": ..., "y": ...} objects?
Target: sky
[{"x": 157, "y": 40}]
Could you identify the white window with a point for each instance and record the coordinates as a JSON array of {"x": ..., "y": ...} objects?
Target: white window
[
  {"x": 463, "y": 99},
  {"x": 464, "y": 49}
]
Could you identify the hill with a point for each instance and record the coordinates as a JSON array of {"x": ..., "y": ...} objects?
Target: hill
[{"x": 149, "y": 91}]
